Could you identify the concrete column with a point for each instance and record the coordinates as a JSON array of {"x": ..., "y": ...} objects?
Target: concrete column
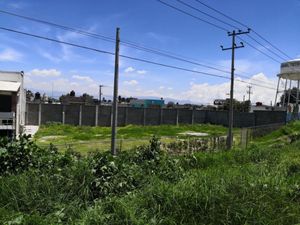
[
  {"x": 63, "y": 114},
  {"x": 177, "y": 117},
  {"x": 96, "y": 115},
  {"x": 26, "y": 113},
  {"x": 144, "y": 116},
  {"x": 289, "y": 96},
  {"x": 277, "y": 91},
  {"x": 111, "y": 116},
  {"x": 284, "y": 93},
  {"x": 40, "y": 114},
  {"x": 80, "y": 115},
  {"x": 125, "y": 116},
  {"x": 161, "y": 116},
  {"x": 193, "y": 116}
]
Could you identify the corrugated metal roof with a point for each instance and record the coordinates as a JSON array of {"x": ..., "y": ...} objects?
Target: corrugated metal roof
[{"x": 9, "y": 86}]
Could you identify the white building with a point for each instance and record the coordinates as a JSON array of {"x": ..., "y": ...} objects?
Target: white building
[{"x": 12, "y": 103}]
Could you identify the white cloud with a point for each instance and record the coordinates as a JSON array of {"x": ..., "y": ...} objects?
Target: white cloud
[
  {"x": 206, "y": 93},
  {"x": 50, "y": 57},
  {"x": 10, "y": 54},
  {"x": 141, "y": 72},
  {"x": 17, "y": 5},
  {"x": 63, "y": 86},
  {"x": 45, "y": 73},
  {"x": 83, "y": 78},
  {"x": 129, "y": 69},
  {"x": 131, "y": 82}
]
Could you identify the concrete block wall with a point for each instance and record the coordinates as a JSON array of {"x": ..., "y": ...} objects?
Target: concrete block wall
[
  {"x": 88, "y": 115},
  {"x": 77, "y": 114},
  {"x": 51, "y": 113}
]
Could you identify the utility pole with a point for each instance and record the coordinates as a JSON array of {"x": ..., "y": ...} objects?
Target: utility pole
[
  {"x": 249, "y": 92},
  {"x": 100, "y": 93},
  {"x": 115, "y": 98},
  {"x": 232, "y": 34}
]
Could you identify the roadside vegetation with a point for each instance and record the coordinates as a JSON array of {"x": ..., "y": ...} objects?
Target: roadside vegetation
[{"x": 147, "y": 185}]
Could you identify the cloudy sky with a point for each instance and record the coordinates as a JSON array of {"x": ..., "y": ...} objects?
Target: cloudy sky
[{"x": 149, "y": 23}]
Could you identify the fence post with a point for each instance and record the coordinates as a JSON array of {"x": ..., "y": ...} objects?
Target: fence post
[
  {"x": 125, "y": 116},
  {"x": 63, "y": 114},
  {"x": 40, "y": 114},
  {"x": 111, "y": 116},
  {"x": 80, "y": 115},
  {"x": 144, "y": 116},
  {"x": 177, "y": 117},
  {"x": 161, "y": 116},
  {"x": 96, "y": 115},
  {"x": 193, "y": 116}
]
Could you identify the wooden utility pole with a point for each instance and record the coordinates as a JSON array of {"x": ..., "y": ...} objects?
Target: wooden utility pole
[
  {"x": 230, "y": 114},
  {"x": 115, "y": 98}
]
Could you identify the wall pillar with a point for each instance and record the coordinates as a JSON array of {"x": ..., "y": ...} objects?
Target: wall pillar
[
  {"x": 80, "y": 115},
  {"x": 161, "y": 116},
  {"x": 111, "y": 116},
  {"x": 40, "y": 114},
  {"x": 193, "y": 117},
  {"x": 96, "y": 114},
  {"x": 26, "y": 114},
  {"x": 144, "y": 116},
  {"x": 63, "y": 114},
  {"x": 177, "y": 117},
  {"x": 126, "y": 116}
]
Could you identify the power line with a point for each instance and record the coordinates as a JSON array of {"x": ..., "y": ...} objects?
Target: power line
[
  {"x": 217, "y": 26},
  {"x": 102, "y": 37},
  {"x": 125, "y": 42},
  {"x": 272, "y": 44},
  {"x": 257, "y": 49},
  {"x": 266, "y": 47},
  {"x": 195, "y": 17},
  {"x": 230, "y": 25},
  {"x": 109, "y": 39},
  {"x": 242, "y": 24},
  {"x": 126, "y": 57},
  {"x": 204, "y": 13},
  {"x": 57, "y": 41}
]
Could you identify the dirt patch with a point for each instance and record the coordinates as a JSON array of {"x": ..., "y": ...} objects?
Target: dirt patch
[
  {"x": 51, "y": 138},
  {"x": 196, "y": 134}
]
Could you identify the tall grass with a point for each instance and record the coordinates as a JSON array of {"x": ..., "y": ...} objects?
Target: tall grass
[{"x": 260, "y": 185}]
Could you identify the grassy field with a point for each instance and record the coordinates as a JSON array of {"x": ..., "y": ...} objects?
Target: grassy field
[
  {"x": 85, "y": 139},
  {"x": 258, "y": 185}
]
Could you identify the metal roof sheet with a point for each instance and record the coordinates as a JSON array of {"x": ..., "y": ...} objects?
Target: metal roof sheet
[{"x": 9, "y": 86}]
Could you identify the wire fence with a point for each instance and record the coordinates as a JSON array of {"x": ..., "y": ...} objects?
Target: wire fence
[{"x": 249, "y": 133}]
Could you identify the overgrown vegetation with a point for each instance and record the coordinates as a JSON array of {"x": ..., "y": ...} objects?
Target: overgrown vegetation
[
  {"x": 69, "y": 132},
  {"x": 85, "y": 139},
  {"x": 260, "y": 185}
]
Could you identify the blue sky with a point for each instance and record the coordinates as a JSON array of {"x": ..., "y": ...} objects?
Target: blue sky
[{"x": 151, "y": 24}]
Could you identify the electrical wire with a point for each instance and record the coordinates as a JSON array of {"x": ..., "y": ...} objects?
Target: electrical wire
[
  {"x": 109, "y": 39},
  {"x": 125, "y": 56},
  {"x": 125, "y": 42},
  {"x": 195, "y": 17},
  {"x": 244, "y": 25},
  {"x": 230, "y": 25}
]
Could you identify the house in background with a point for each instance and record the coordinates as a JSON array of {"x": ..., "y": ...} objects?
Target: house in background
[
  {"x": 147, "y": 103},
  {"x": 12, "y": 103}
]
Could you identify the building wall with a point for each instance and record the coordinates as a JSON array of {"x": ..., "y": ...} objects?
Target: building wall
[
  {"x": 101, "y": 116},
  {"x": 19, "y": 102}
]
